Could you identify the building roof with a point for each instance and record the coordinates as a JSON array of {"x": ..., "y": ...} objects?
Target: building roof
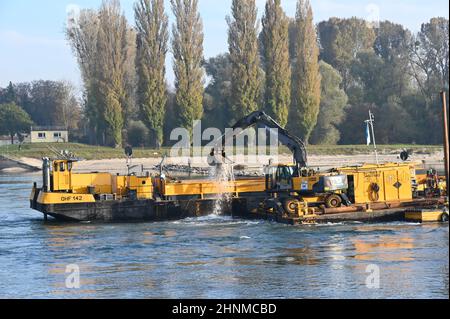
[{"x": 48, "y": 128}]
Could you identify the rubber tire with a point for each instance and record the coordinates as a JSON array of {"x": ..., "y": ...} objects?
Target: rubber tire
[
  {"x": 444, "y": 218},
  {"x": 290, "y": 205},
  {"x": 333, "y": 201}
]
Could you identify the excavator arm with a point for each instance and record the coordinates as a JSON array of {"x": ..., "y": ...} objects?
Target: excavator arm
[{"x": 259, "y": 119}]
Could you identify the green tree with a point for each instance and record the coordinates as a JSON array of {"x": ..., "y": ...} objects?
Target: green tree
[
  {"x": 217, "y": 99},
  {"x": 13, "y": 120},
  {"x": 306, "y": 76},
  {"x": 9, "y": 95},
  {"x": 244, "y": 56},
  {"x": 152, "y": 38},
  {"x": 137, "y": 133},
  {"x": 332, "y": 107},
  {"x": 49, "y": 103},
  {"x": 187, "y": 47},
  {"x": 341, "y": 40},
  {"x": 392, "y": 45},
  {"x": 112, "y": 48},
  {"x": 368, "y": 71},
  {"x": 130, "y": 108},
  {"x": 275, "y": 40}
]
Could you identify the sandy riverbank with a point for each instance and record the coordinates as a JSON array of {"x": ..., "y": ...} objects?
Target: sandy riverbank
[{"x": 252, "y": 164}]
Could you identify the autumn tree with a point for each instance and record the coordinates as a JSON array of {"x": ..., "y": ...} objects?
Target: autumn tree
[
  {"x": 306, "y": 76},
  {"x": 275, "y": 49},
  {"x": 429, "y": 57},
  {"x": 81, "y": 33},
  {"x": 244, "y": 56},
  {"x": 187, "y": 47},
  {"x": 152, "y": 39},
  {"x": 103, "y": 43}
]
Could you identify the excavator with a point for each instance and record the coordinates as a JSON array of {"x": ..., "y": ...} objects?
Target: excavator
[{"x": 288, "y": 185}]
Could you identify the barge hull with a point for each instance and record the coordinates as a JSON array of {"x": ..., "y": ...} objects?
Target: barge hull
[{"x": 127, "y": 211}]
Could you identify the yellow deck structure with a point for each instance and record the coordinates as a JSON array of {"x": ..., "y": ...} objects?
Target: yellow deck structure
[
  {"x": 426, "y": 215},
  {"x": 64, "y": 180},
  {"x": 204, "y": 188},
  {"x": 380, "y": 183}
]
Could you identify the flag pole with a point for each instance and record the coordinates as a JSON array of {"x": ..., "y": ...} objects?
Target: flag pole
[{"x": 371, "y": 123}]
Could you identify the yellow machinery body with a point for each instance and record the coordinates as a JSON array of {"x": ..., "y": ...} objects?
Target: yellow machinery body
[
  {"x": 380, "y": 183},
  {"x": 85, "y": 186}
]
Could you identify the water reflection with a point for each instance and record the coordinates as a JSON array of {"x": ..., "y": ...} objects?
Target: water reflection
[
  {"x": 386, "y": 248},
  {"x": 215, "y": 257}
]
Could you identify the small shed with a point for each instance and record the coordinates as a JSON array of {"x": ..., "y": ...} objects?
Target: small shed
[{"x": 49, "y": 134}]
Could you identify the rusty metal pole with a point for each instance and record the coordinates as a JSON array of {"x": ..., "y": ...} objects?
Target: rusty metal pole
[{"x": 446, "y": 146}]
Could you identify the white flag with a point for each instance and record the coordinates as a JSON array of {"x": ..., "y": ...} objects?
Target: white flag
[{"x": 368, "y": 138}]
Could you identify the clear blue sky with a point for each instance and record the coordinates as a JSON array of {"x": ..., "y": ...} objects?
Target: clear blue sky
[{"x": 32, "y": 43}]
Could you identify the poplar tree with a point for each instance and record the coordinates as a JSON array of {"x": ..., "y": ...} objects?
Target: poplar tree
[
  {"x": 275, "y": 40},
  {"x": 244, "y": 56},
  {"x": 100, "y": 40},
  {"x": 152, "y": 39},
  {"x": 81, "y": 34},
  {"x": 306, "y": 76},
  {"x": 112, "y": 49},
  {"x": 187, "y": 47}
]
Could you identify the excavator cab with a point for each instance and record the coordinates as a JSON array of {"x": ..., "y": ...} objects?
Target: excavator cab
[{"x": 280, "y": 177}]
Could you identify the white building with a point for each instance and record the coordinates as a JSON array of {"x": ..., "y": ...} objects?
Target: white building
[{"x": 48, "y": 134}]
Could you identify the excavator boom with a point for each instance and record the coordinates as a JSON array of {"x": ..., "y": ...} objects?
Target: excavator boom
[{"x": 259, "y": 119}]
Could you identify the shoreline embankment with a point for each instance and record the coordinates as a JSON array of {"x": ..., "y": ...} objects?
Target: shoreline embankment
[{"x": 253, "y": 165}]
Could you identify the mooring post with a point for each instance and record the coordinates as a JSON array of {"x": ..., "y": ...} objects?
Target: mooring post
[
  {"x": 45, "y": 217},
  {"x": 446, "y": 155}
]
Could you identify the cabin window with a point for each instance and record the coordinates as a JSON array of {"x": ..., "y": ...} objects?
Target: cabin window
[
  {"x": 62, "y": 167},
  {"x": 41, "y": 135},
  {"x": 57, "y": 135}
]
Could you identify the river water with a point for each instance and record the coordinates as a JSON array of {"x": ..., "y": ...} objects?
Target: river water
[{"x": 214, "y": 257}]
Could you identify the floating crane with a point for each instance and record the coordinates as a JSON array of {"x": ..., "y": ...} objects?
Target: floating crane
[{"x": 288, "y": 184}]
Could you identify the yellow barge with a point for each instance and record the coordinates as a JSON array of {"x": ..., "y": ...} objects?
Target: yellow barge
[
  {"x": 375, "y": 192},
  {"x": 66, "y": 195}
]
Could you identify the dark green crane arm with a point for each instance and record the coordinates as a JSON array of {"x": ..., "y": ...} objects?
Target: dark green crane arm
[{"x": 260, "y": 119}]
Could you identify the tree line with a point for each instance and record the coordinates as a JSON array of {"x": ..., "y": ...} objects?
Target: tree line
[
  {"x": 318, "y": 80},
  {"x": 40, "y": 103}
]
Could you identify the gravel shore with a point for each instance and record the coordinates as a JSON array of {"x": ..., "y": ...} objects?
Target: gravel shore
[{"x": 250, "y": 164}]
